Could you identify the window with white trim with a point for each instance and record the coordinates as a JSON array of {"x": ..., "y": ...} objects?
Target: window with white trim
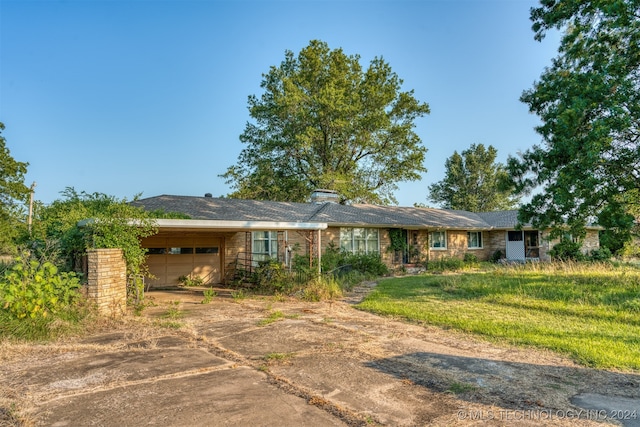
[
  {"x": 265, "y": 245},
  {"x": 360, "y": 240},
  {"x": 438, "y": 240},
  {"x": 474, "y": 239}
]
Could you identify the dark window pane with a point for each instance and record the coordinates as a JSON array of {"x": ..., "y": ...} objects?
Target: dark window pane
[
  {"x": 211, "y": 250},
  {"x": 515, "y": 236},
  {"x": 180, "y": 251}
]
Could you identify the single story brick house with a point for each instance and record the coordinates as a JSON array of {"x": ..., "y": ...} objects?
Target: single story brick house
[{"x": 224, "y": 234}]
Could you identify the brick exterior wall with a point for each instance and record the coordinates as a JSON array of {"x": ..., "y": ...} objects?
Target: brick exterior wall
[
  {"x": 107, "y": 281},
  {"x": 234, "y": 248},
  {"x": 494, "y": 241},
  {"x": 236, "y": 245},
  {"x": 456, "y": 246}
]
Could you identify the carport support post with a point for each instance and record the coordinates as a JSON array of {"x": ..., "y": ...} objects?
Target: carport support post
[
  {"x": 319, "y": 252},
  {"x": 428, "y": 251},
  {"x": 107, "y": 281}
]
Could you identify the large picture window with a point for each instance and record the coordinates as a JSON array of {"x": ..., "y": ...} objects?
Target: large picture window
[
  {"x": 474, "y": 239},
  {"x": 265, "y": 245},
  {"x": 360, "y": 240},
  {"x": 438, "y": 240}
]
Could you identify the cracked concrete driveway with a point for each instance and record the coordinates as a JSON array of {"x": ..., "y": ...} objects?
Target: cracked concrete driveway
[{"x": 264, "y": 362}]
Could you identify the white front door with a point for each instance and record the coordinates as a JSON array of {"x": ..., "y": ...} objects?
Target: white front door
[{"x": 515, "y": 245}]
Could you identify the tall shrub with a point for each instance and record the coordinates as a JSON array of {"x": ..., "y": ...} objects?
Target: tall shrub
[
  {"x": 567, "y": 250},
  {"x": 82, "y": 221},
  {"x": 31, "y": 289}
]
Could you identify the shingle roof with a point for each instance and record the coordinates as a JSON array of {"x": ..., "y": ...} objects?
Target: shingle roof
[
  {"x": 501, "y": 219},
  {"x": 209, "y": 208},
  {"x": 229, "y": 209},
  {"x": 397, "y": 216}
]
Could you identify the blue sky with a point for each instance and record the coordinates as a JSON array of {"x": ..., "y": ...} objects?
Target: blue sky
[{"x": 142, "y": 96}]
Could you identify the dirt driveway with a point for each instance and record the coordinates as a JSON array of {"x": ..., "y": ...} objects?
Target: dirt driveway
[{"x": 262, "y": 362}]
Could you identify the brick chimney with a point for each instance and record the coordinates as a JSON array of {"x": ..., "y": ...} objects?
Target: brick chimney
[{"x": 324, "y": 196}]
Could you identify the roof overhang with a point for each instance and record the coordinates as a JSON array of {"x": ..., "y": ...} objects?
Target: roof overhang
[
  {"x": 227, "y": 225},
  {"x": 230, "y": 225},
  {"x": 414, "y": 227}
]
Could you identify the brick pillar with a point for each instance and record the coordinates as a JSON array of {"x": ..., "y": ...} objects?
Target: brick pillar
[{"x": 107, "y": 280}]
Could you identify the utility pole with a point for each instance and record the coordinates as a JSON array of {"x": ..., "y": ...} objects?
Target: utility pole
[{"x": 30, "y": 217}]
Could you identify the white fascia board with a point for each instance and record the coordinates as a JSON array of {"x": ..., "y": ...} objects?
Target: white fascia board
[
  {"x": 228, "y": 224},
  {"x": 372, "y": 225},
  {"x": 412, "y": 227},
  {"x": 238, "y": 225}
]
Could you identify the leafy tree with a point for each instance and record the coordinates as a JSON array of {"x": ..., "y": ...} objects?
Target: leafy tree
[
  {"x": 12, "y": 193},
  {"x": 621, "y": 219},
  {"x": 474, "y": 182},
  {"x": 112, "y": 223},
  {"x": 589, "y": 103},
  {"x": 324, "y": 122}
]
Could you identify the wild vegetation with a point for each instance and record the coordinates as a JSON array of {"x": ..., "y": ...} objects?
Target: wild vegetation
[
  {"x": 65, "y": 229},
  {"x": 589, "y": 311},
  {"x": 340, "y": 271},
  {"x": 37, "y": 301},
  {"x": 40, "y": 287}
]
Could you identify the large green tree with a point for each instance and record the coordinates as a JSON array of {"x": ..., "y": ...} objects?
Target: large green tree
[
  {"x": 13, "y": 194},
  {"x": 588, "y": 167},
  {"x": 325, "y": 122},
  {"x": 474, "y": 182}
]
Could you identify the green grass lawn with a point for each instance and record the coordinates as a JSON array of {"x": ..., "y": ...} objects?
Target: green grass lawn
[{"x": 589, "y": 312}]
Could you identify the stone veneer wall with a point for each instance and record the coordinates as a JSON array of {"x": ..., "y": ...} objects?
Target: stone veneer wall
[{"x": 107, "y": 280}]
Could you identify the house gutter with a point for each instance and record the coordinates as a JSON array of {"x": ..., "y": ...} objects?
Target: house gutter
[
  {"x": 412, "y": 226},
  {"x": 238, "y": 225},
  {"x": 205, "y": 224}
]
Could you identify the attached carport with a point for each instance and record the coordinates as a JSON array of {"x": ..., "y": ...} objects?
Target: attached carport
[{"x": 203, "y": 248}]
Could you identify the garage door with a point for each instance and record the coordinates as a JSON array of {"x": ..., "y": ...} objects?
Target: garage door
[{"x": 169, "y": 258}]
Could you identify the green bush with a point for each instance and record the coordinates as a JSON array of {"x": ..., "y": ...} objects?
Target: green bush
[
  {"x": 470, "y": 258},
  {"x": 446, "y": 264},
  {"x": 271, "y": 276},
  {"x": 333, "y": 258},
  {"x": 339, "y": 263},
  {"x": 4, "y": 266},
  {"x": 567, "y": 250},
  {"x": 368, "y": 264},
  {"x": 602, "y": 254},
  {"x": 31, "y": 289}
]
